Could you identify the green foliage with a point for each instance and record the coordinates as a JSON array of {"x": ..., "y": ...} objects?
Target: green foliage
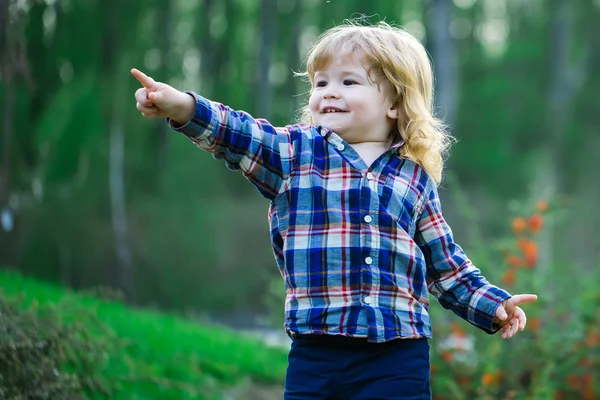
[
  {"x": 119, "y": 353},
  {"x": 558, "y": 354},
  {"x": 43, "y": 357}
]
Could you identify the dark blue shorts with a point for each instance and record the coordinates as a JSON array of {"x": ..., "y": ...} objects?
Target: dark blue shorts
[{"x": 329, "y": 367}]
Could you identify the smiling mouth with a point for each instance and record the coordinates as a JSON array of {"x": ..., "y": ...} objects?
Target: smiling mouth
[{"x": 331, "y": 110}]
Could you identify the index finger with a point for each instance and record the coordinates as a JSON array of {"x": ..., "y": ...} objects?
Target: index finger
[
  {"x": 523, "y": 298},
  {"x": 144, "y": 79}
]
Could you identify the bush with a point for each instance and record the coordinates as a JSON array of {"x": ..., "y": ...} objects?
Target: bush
[
  {"x": 558, "y": 354},
  {"x": 44, "y": 357},
  {"x": 114, "y": 351}
]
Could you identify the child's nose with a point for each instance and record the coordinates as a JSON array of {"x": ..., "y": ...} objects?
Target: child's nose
[
  {"x": 331, "y": 92},
  {"x": 331, "y": 95}
]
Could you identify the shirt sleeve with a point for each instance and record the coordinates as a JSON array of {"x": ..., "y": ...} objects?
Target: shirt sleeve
[
  {"x": 262, "y": 152},
  {"x": 451, "y": 276}
]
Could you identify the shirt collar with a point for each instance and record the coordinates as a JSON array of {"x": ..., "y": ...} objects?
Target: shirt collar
[
  {"x": 323, "y": 131},
  {"x": 326, "y": 133}
]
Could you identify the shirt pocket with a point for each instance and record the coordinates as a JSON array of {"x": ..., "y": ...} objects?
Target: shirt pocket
[{"x": 404, "y": 201}]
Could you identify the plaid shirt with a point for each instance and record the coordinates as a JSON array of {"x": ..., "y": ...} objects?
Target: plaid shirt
[{"x": 360, "y": 248}]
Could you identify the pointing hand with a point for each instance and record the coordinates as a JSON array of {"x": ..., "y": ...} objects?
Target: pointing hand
[
  {"x": 510, "y": 316},
  {"x": 159, "y": 100}
]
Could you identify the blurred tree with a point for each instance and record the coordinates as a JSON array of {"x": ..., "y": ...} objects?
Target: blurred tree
[
  {"x": 267, "y": 35},
  {"x": 163, "y": 18},
  {"x": 114, "y": 17},
  {"x": 548, "y": 176},
  {"x": 440, "y": 43},
  {"x": 8, "y": 70},
  {"x": 102, "y": 196}
]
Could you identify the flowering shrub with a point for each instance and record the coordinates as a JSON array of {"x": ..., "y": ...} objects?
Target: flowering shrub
[{"x": 558, "y": 354}]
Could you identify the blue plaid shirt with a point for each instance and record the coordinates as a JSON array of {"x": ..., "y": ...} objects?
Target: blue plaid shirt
[{"x": 360, "y": 248}]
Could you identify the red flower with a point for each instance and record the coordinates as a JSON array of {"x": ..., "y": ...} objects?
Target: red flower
[
  {"x": 509, "y": 277},
  {"x": 514, "y": 261},
  {"x": 535, "y": 223}
]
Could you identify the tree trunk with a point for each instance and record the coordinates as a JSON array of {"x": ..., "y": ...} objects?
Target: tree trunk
[
  {"x": 118, "y": 207},
  {"x": 8, "y": 69},
  {"x": 441, "y": 46},
  {"x": 7, "y": 128},
  {"x": 546, "y": 179},
  {"x": 3, "y": 26},
  {"x": 165, "y": 19},
  {"x": 266, "y": 39},
  {"x": 112, "y": 103},
  {"x": 294, "y": 22},
  {"x": 207, "y": 56},
  {"x": 585, "y": 225}
]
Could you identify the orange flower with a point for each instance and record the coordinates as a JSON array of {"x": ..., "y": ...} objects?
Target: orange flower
[
  {"x": 489, "y": 378},
  {"x": 457, "y": 330},
  {"x": 530, "y": 260},
  {"x": 447, "y": 356},
  {"x": 559, "y": 395},
  {"x": 541, "y": 206},
  {"x": 589, "y": 390},
  {"x": 509, "y": 277},
  {"x": 574, "y": 382},
  {"x": 585, "y": 362},
  {"x": 528, "y": 247},
  {"x": 463, "y": 381},
  {"x": 514, "y": 261},
  {"x": 518, "y": 225},
  {"x": 593, "y": 339},
  {"x": 432, "y": 369},
  {"x": 534, "y": 324},
  {"x": 535, "y": 223}
]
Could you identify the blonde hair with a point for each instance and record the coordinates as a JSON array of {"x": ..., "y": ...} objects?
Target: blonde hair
[{"x": 393, "y": 54}]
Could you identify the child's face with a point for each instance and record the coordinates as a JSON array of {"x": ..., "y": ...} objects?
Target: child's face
[{"x": 345, "y": 101}]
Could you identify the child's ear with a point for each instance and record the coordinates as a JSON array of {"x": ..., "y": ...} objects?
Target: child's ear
[{"x": 394, "y": 111}]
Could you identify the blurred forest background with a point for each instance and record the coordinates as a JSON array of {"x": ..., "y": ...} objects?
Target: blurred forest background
[{"x": 93, "y": 194}]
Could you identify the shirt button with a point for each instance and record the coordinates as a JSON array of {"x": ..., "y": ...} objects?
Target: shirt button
[
  {"x": 340, "y": 147},
  {"x": 368, "y": 299},
  {"x": 369, "y": 260},
  {"x": 368, "y": 219},
  {"x": 369, "y": 176}
]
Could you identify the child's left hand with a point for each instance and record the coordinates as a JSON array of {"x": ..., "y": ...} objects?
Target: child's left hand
[{"x": 511, "y": 317}]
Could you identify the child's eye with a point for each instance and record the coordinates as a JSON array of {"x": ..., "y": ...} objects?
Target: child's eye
[
  {"x": 321, "y": 84},
  {"x": 348, "y": 82}
]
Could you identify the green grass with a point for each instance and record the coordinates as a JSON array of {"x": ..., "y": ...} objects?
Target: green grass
[{"x": 165, "y": 356}]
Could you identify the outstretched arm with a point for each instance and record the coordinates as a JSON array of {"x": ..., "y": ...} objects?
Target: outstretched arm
[
  {"x": 457, "y": 283},
  {"x": 264, "y": 154}
]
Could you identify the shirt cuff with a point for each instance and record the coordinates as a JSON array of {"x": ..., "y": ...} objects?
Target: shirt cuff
[
  {"x": 483, "y": 305},
  {"x": 201, "y": 121}
]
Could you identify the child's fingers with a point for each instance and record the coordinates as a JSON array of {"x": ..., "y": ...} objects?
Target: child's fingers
[
  {"x": 151, "y": 111},
  {"x": 510, "y": 329},
  {"x": 505, "y": 330},
  {"x": 141, "y": 96},
  {"x": 514, "y": 326},
  {"x": 501, "y": 313},
  {"x": 519, "y": 299},
  {"x": 144, "y": 79},
  {"x": 522, "y": 318},
  {"x": 155, "y": 97}
]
